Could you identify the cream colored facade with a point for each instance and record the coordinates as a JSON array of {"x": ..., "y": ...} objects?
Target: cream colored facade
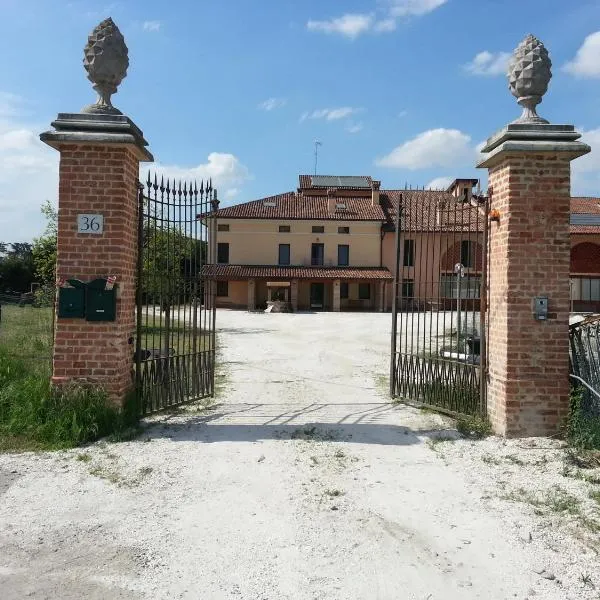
[{"x": 256, "y": 241}]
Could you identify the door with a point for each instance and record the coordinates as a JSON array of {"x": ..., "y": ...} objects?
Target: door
[{"x": 317, "y": 295}]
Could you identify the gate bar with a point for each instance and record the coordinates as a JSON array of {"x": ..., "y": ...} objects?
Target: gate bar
[{"x": 395, "y": 303}]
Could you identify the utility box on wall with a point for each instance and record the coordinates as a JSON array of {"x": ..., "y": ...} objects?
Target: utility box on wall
[
  {"x": 91, "y": 301},
  {"x": 71, "y": 303},
  {"x": 100, "y": 305}
]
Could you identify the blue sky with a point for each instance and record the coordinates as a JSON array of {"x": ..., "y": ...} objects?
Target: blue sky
[{"x": 403, "y": 90}]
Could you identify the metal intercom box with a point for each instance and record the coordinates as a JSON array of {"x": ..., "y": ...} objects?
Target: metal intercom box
[{"x": 540, "y": 308}]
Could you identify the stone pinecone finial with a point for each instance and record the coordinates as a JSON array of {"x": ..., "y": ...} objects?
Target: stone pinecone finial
[
  {"x": 528, "y": 77},
  {"x": 105, "y": 60}
]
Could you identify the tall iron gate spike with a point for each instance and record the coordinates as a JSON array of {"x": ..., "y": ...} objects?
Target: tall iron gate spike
[
  {"x": 155, "y": 182},
  {"x": 168, "y": 188},
  {"x": 149, "y": 181},
  {"x": 162, "y": 184}
]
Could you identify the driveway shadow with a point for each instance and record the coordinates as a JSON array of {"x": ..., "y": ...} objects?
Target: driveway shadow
[{"x": 374, "y": 423}]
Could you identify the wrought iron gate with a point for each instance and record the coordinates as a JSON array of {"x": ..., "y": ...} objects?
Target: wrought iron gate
[
  {"x": 175, "y": 343},
  {"x": 438, "y": 350}
]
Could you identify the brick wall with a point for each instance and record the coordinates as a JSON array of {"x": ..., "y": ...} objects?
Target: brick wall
[
  {"x": 98, "y": 179},
  {"x": 529, "y": 256}
]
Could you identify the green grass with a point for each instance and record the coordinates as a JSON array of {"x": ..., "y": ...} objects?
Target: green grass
[
  {"x": 180, "y": 334},
  {"x": 35, "y": 416},
  {"x": 473, "y": 427},
  {"x": 26, "y": 332}
]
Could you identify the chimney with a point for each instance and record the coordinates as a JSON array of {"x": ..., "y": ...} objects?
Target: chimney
[
  {"x": 375, "y": 185},
  {"x": 331, "y": 197}
]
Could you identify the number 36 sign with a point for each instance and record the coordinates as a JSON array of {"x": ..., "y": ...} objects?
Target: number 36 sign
[{"x": 90, "y": 224}]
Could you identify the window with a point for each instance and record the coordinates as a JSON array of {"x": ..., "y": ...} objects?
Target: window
[
  {"x": 284, "y": 254},
  {"x": 343, "y": 255},
  {"x": 585, "y": 289},
  {"x": 408, "y": 288},
  {"x": 467, "y": 253},
  {"x": 344, "y": 290},
  {"x": 318, "y": 229},
  {"x": 222, "y": 227},
  {"x": 222, "y": 288},
  {"x": 317, "y": 254},
  {"x": 409, "y": 253},
  {"x": 343, "y": 229},
  {"x": 222, "y": 253},
  {"x": 364, "y": 291},
  {"x": 284, "y": 229}
]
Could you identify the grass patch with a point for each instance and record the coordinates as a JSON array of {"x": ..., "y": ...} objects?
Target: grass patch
[
  {"x": 474, "y": 427},
  {"x": 35, "y": 416},
  {"x": 595, "y": 496},
  {"x": 334, "y": 493}
]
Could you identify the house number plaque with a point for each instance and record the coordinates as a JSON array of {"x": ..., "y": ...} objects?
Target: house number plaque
[{"x": 90, "y": 224}]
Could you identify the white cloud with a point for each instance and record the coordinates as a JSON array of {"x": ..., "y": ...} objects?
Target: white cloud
[
  {"x": 225, "y": 170},
  {"x": 331, "y": 114},
  {"x": 28, "y": 173},
  {"x": 384, "y": 20},
  {"x": 413, "y": 8},
  {"x": 433, "y": 148},
  {"x": 587, "y": 60},
  {"x": 354, "y": 127},
  {"x": 349, "y": 25},
  {"x": 488, "y": 63},
  {"x": 439, "y": 183},
  {"x": 151, "y": 25},
  {"x": 385, "y": 25},
  {"x": 585, "y": 171},
  {"x": 402, "y": 114},
  {"x": 272, "y": 104}
]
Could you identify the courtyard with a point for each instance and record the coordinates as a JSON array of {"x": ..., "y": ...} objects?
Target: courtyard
[{"x": 302, "y": 481}]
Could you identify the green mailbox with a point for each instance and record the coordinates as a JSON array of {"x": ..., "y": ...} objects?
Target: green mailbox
[
  {"x": 71, "y": 303},
  {"x": 100, "y": 303}
]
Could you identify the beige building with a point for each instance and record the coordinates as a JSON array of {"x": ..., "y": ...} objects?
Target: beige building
[{"x": 330, "y": 245}]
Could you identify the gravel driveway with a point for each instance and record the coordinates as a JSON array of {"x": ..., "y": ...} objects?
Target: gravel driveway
[{"x": 303, "y": 482}]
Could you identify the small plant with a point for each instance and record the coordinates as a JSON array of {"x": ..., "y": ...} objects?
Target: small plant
[
  {"x": 586, "y": 579},
  {"x": 582, "y": 430},
  {"x": 474, "y": 427},
  {"x": 85, "y": 457},
  {"x": 340, "y": 453},
  {"x": 595, "y": 496},
  {"x": 334, "y": 493},
  {"x": 490, "y": 460}
]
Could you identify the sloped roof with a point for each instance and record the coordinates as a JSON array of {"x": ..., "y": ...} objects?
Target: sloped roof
[
  {"x": 294, "y": 206},
  {"x": 290, "y": 272},
  {"x": 585, "y": 205}
]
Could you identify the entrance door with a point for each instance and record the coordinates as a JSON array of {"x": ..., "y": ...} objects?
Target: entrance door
[{"x": 317, "y": 295}]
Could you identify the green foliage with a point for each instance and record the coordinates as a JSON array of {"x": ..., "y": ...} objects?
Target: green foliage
[
  {"x": 16, "y": 267},
  {"x": 44, "y": 247},
  {"x": 474, "y": 427},
  {"x": 582, "y": 430},
  {"x": 171, "y": 264}
]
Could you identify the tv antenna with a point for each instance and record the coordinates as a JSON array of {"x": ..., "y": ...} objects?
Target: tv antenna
[{"x": 317, "y": 144}]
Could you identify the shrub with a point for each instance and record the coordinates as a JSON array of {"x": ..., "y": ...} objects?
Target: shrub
[{"x": 582, "y": 429}]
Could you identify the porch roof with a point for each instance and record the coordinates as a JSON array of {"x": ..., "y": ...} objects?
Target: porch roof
[{"x": 271, "y": 272}]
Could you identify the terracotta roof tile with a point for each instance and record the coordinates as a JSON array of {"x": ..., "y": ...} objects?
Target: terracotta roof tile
[
  {"x": 586, "y": 205},
  {"x": 279, "y": 272}
]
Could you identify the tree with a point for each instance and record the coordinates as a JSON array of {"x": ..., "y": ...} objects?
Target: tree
[
  {"x": 16, "y": 267},
  {"x": 44, "y": 247}
]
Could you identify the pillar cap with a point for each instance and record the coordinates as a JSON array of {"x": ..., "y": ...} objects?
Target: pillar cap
[
  {"x": 80, "y": 128},
  {"x": 532, "y": 138}
]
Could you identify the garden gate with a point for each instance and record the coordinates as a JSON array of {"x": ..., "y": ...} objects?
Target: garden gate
[
  {"x": 438, "y": 350},
  {"x": 175, "y": 342}
]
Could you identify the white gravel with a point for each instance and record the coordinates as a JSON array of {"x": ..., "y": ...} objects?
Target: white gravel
[{"x": 303, "y": 482}]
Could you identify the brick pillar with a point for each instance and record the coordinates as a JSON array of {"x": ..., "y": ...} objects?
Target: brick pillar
[
  {"x": 251, "y": 294},
  {"x": 99, "y": 167},
  {"x": 529, "y": 178},
  {"x": 337, "y": 301},
  {"x": 294, "y": 295}
]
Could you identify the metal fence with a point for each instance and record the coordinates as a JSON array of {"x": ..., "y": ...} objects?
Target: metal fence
[
  {"x": 584, "y": 338},
  {"x": 27, "y": 329}
]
